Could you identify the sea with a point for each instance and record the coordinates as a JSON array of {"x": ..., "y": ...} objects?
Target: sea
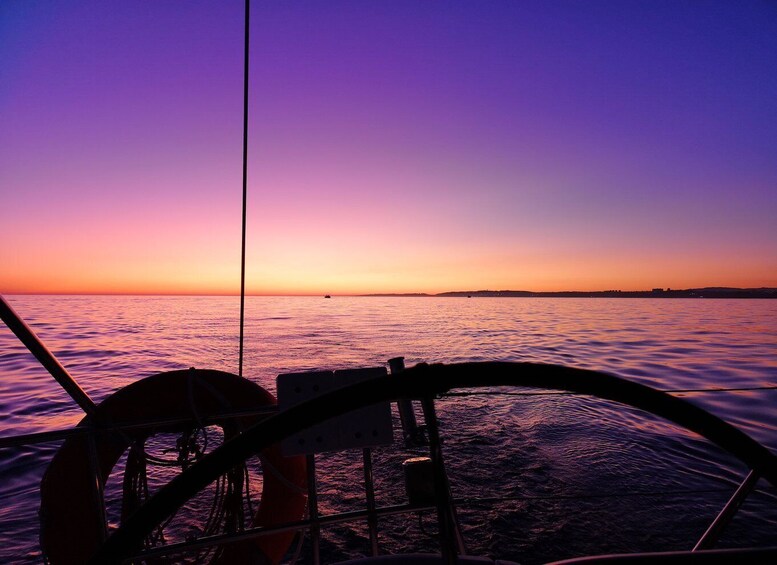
[{"x": 538, "y": 477}]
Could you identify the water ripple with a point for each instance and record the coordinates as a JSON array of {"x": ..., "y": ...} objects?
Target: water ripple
[{"x": 521, "y": 447}]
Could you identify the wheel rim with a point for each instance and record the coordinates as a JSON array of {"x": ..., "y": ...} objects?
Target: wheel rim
[{"x": 425, "y": 381}]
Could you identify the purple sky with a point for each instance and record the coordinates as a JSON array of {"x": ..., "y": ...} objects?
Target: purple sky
[{"x": 394, "y": 146}]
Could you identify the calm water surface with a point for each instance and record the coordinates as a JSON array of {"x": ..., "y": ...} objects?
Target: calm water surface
[{"x": 559, "y": 459}]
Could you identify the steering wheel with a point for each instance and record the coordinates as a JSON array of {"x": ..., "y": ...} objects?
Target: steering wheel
[{"x": 424, "y": 382}]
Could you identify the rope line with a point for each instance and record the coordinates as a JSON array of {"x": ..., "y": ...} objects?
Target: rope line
[
  {"x": 593, "y": 496},
  {"x": 565, "y": 393},
  {"x": 226, "y": 513}
]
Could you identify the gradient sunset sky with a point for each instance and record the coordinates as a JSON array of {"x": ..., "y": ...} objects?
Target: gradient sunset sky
[{"x": 394, "y": 146}]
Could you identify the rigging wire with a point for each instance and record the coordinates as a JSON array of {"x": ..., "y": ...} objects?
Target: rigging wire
[
  {"x": 245, "y": 190},
  {"x": 454, "y": 394},
  {"x": 477, "y": 500},
  {"x": 56, "y": 435}
]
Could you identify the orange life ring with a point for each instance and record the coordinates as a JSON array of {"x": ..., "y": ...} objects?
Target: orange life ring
[{"x": 70, "y": 516}]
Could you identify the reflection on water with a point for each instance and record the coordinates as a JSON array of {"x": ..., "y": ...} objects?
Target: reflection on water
[{"x": 538, "y": 449}]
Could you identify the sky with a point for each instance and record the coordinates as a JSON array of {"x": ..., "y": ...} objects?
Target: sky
[{"x": 396, "y": 146}]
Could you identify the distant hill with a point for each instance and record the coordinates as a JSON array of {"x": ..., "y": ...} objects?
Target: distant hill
[
  {"x": 401, "y": 294},
  {"x": 707, "y": 292}
]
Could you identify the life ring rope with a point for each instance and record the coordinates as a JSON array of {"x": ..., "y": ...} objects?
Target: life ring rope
[{"x": 70, "y": 520}]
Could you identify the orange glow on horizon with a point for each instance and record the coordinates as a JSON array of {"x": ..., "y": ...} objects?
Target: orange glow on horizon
[{"x": 330, "y": 273}]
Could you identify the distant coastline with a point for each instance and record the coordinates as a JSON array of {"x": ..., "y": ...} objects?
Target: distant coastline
[{"x": 707, "y": 292}]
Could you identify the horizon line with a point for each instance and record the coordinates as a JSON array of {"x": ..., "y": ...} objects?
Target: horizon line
[{"x": 375, "y": 294}]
